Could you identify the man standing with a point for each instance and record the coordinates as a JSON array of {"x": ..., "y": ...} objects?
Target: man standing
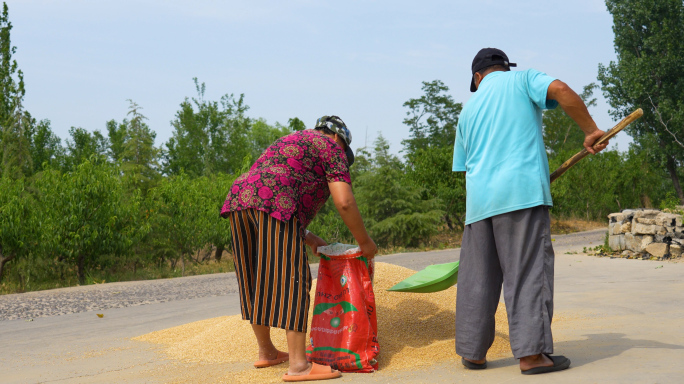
[{"x": 507, "y": 240}]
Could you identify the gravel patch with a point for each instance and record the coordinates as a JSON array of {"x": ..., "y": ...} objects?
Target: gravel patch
[{"x": 97, "y": 297}]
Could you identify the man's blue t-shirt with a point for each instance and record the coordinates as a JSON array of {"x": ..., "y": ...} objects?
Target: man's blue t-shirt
[{"x": 500, "y": 146}]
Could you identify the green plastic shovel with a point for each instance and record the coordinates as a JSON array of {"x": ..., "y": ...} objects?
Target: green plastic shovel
[{"x": 433, "y": 278}]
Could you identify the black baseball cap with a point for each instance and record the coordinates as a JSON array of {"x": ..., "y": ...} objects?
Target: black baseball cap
[{"x": 486, "y": 58}]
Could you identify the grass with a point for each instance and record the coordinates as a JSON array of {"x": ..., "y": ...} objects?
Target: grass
[{"x": 572, "y": 225}]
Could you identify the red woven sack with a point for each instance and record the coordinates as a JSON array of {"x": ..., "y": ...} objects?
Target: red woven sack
[{"x": 344, "y": 328}]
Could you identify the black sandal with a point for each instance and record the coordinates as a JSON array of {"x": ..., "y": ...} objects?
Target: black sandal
[
  {"x": 471, "y": 365},
  {"x": 559, "y": 363}
]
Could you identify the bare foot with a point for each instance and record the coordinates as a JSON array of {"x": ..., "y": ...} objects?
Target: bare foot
[
  {"x": 268, "y": 354},
  {"x": 299, "y": 369},
  {"x": 529, "y": 362}
]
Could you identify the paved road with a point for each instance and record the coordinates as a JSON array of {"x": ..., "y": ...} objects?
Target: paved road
[{"x": 628, "y": 327}]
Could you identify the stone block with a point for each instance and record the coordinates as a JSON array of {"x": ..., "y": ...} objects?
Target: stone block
[
  {"x": 643, "y": 220},
  {"x": 633, "y": 242},
  {"x": 666, "y": 238},
  {"x": 662, "y": 231},
  {"x": 646, "y": 214},
  {"x": 645, "y": 241},
  {"x": 657, "y": 249},
  {"x": 675, "y": 250},
  {"x": 616, "y": 242},
  {"x": 615, "y": 228},
  {"x": 615, "y": 217},
  {"x": 643, "y": 229},
  {"x": 626, "y": 227},
  {"x": 666, "y": 219}
]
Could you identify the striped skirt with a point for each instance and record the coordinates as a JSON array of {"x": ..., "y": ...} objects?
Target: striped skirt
[{"x": 272, "y": 270}]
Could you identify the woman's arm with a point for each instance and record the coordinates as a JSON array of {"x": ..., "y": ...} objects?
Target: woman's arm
[{"x": 346, "y": 205}]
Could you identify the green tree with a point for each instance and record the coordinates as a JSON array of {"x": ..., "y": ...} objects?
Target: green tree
[
  {"x": 46, "y": 147},
  {"x": 14, "y": 148},
  {"x": 261, "y": 135},
  {"x": 208, "y": 137},
  {"x": 396, "y": 213},
  {"x": 214, "y": 190},
  {"x": 181, "y": 217},
  {"x": 295, "y": 124},
  {"x": 432, "y": 120},
  {"x": 648, "y": 73},
  {"x": 138, "y": 156},
  {"x": 18, "y": 223},
  {"x": 607, "y": 182},
  {"x": 11, "y": 77},
  {"x": 117, "y": 133},
  {"x": 89, "y": 217},
  {"x": 83, "y": 146}
]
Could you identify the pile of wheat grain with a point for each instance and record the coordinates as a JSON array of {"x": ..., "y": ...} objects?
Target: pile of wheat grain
[{"x": 414, "y": 330}]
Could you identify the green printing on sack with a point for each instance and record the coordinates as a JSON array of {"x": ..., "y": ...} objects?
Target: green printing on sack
[
  {"x": 356, "y": 355},
  {"x": 346, "y": 306}
]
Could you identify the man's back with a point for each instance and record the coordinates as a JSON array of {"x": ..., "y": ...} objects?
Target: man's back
[{"x": 499, "y": 144}]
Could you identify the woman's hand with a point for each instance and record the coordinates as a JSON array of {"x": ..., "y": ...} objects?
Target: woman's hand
[
  {"x": 368, "y": 248},
  {"x": 314, "y": 242}
]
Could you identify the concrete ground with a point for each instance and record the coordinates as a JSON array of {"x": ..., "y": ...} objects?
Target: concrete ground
[{"x": 618, "y": 320}]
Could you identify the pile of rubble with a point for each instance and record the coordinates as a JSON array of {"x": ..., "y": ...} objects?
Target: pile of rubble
[{"x": 646, "y": 233}]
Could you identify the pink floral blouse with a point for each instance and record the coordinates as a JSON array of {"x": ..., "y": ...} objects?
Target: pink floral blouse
[{"x": 290, "y": 178}]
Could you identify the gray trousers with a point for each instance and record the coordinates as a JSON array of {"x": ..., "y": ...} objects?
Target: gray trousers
[{"x": 513, "y": 249}]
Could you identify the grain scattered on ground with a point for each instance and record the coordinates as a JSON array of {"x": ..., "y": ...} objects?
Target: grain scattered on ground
[{"x": 414, "y": 330}]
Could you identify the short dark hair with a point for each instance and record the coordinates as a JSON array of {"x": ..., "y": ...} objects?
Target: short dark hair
[
  {"x": 495, "y": 67},
  {"x": 328, "y": 131},
  {"x": 325, "y": 130}
]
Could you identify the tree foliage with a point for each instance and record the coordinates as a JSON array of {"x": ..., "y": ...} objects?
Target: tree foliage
[
  {"x": 18, "y": 222},
  {"x": 14, "y": 121},
  {"x": 181, "y": 216},
  {"x": 649, "y": 74},
  {"x": 138, "y": 156},
  {"x": 432, "y": 120},
  {"x": 208, "y": 137},
  {"x": 84, "y": 146},
  {"x": 87, "y": 216},
  {"x": 600, "y": 184},
  {"x": 395, "y": 213},
  {"x": 46, "y": 147}
]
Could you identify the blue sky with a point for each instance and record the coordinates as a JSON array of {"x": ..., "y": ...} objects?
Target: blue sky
[{"x": 361, "y": 60}]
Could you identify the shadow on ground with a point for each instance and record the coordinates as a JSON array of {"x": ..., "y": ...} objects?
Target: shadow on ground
[{"x": 594, "y": 348}]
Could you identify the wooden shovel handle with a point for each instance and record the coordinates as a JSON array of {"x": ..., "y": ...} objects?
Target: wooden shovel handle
[{"x": 607, "y": 136}]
